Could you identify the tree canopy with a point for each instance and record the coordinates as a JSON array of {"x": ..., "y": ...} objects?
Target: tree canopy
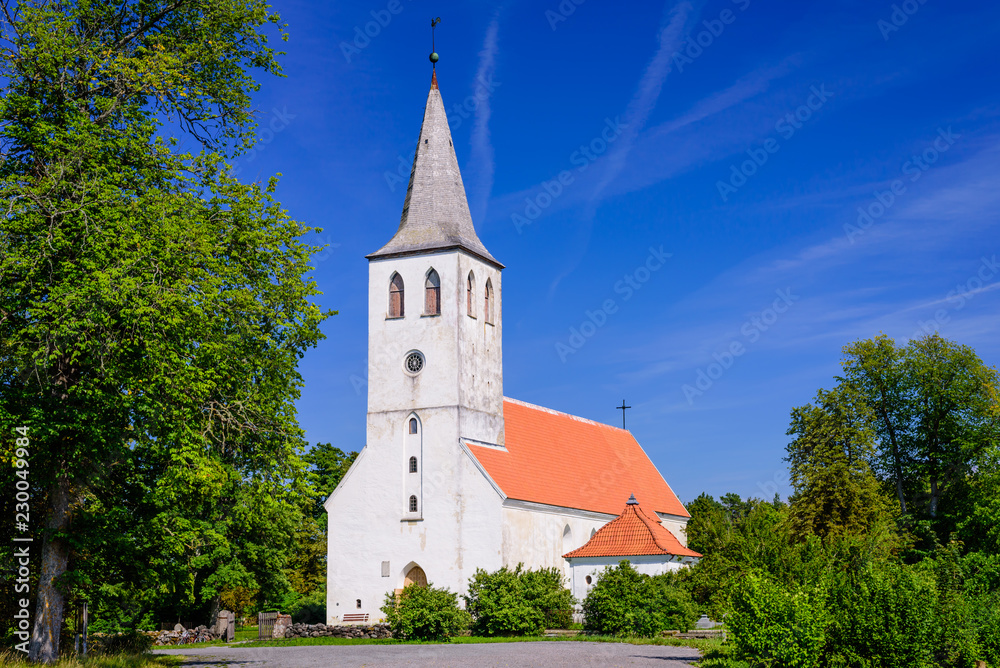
[{"x": 153, "y": 310}]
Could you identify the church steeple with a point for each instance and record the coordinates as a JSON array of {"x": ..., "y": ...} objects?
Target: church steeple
[{"x": 436, "y": 212}]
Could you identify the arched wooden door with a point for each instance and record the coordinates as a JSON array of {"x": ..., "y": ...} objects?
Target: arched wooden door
[{"x": 415, "y": 575}]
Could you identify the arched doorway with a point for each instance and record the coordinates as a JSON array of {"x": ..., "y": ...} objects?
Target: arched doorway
[{"x": 415, "y": 575}]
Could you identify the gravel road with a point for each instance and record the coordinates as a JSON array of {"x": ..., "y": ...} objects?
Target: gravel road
[{"x": 485, "y": 655}]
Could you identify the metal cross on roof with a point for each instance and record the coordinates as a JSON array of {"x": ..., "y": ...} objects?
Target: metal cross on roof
[{"x": 623, "y": 408}]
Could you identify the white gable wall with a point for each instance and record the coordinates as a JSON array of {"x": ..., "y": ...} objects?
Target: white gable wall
[{"x": 456, "y": 529}]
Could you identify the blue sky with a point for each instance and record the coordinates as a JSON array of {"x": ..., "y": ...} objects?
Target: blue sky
[{"x": 746, "y": 140}]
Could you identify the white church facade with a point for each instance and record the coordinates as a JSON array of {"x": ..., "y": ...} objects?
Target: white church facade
[{"x": 454, "y": 476}]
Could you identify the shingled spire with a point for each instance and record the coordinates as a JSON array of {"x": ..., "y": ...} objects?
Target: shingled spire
[{"x": 436, "y": 213}]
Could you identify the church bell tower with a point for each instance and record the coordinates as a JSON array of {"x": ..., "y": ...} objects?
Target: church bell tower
[{"x": 435, "y": 373}]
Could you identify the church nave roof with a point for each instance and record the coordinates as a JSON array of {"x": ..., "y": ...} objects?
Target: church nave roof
[{"x": 562, "y": 460}]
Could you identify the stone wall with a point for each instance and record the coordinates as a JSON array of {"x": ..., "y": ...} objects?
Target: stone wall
[
  {"x": 197, "y": 634},
  {"x": 330, "y": 631}
]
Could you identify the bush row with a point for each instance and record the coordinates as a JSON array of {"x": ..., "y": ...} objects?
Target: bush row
[{"x": 518, "y": 602}]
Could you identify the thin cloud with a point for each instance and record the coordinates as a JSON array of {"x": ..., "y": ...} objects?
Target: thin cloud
[
  {"x": 644, "y": 100},
  {"x": 481, "y": 157}
]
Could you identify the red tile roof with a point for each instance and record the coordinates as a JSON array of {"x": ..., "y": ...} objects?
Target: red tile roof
[
  {"x": 633, "y": 533},
  {"x": 562, "y": 460}
]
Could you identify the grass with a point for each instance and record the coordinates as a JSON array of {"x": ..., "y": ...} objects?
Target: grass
[
  {"x": 19, "y": 660},
  {"x": 720, "y": 657}
]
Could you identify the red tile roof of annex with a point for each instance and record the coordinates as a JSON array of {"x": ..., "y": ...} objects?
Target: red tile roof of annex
[
  {"x": 559, "y": 459},
  {"x": 633, "y": 533}
]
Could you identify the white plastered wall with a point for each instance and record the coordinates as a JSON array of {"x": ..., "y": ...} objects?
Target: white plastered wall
[{"x": 458, "y": 393}]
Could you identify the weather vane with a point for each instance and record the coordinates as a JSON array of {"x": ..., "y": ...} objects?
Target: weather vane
[{"x": 434, "y": 55}]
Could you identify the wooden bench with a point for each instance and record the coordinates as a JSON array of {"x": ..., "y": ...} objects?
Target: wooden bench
[{"x": 355, "y": 618}]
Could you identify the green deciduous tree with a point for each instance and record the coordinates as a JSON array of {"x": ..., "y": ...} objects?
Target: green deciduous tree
[
  {"x": 152, "y": 309},
  {"x": 836, "y": 493},
  {"x": 937, "y": 418}
]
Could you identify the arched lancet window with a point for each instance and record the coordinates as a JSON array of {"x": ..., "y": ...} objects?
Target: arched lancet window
[
  {"x": 470, "y": 294},
  {"x": 413, "y": 468},
  {"x": 593, "y": 532},
  {"x": 432, "y": 294},
  {"x": 413, "y": 425},
  {"x": 488, "y": 306},
  {"x": 396, "y": 296},
  {"x": 567, "y": 539},
  {"x": 413, "y": 504}
]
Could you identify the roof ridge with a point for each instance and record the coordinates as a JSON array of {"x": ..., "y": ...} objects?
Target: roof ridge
[
  {"x": 553, "y": 411},
  {"x": 650, "y": 524}
]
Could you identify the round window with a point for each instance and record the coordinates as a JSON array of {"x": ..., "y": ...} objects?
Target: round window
[{"x": 414, "y": 363}]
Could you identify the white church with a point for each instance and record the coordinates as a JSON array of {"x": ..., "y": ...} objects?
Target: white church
[{"x": 454, "y": 476}]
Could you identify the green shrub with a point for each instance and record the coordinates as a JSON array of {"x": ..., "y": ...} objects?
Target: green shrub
[
  {"x": 499, "y": 606},
  {"x": 126, "y": 642},
  {"x": 884, "y": 618},
  {"x": 624, "y": 602},
  {"x": 545, "y": 590},
  {"x": 957, "y": 642},
  {"x": 309, "y": 609},
  {"x": 424, "y": 613},
  {"x": 679, "y": 610},
  {"x": 775, "y": 628},
  {"x": 987, "y": 620}
]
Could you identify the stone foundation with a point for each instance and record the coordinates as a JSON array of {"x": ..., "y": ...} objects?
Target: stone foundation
[
  {"x": 325, "y": 631},
  {"x": 197, "y": 634}
]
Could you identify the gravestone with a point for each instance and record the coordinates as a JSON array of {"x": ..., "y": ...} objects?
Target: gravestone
[
  {"x": 281, "y": 625},
  {"x": 705, "y": 623},
  {"x": 225, "y": 627}
]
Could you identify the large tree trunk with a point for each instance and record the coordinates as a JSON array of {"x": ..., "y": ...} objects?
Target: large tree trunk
[
  {"x": 896, "y": 463},
  {"x": 214, "y": 614},
  {"x": 55, "y": 557}
]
